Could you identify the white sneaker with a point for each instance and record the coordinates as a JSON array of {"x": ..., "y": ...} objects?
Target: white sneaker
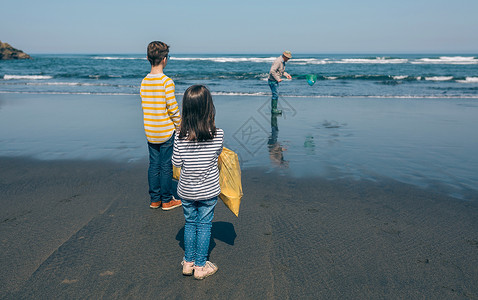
[
  {"x": 188, "y": 268},
  {"x": 203, "y": 272}
]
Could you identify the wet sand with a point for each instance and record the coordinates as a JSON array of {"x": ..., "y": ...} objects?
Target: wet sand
[
  {"x": 82, "y": 229},
  {"x": 343, "y": 198}
]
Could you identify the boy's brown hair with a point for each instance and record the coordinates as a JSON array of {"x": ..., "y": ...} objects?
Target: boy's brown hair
[{"x": 156, "y": 52}]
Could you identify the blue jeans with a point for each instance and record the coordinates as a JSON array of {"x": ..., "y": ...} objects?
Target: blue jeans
[
  {"x": 197, "y": 230},
  {"x": 160, "y": 171},
  {"x": 274, "y": 85}
]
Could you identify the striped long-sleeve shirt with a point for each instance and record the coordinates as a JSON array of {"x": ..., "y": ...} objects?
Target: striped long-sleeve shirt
[
  {"x": 160, "y": 110},
  {"x": 199, "y": 179}
]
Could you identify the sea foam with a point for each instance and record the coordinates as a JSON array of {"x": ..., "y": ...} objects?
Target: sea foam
[
  {"x": 377, "y": 60},
  {"x": 116, "y": 58},
  {"x": 454, "y": 60},
  {"x": 31, "y": 77},
  {"x": 469, "y": 80},
  {"x": 227, "y": 59},
  {"x": 439, "y": 78},
  {"x": 400, "y": 77}
]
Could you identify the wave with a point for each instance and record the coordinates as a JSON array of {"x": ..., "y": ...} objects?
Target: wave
[
  {"x": 104, "y": 76},
  {"x": 227, "y": 59},
  {"x": 261, "y": 94},
  {"x": 79, "y": 84},
  {"x": 67, "y": 93},
  {"x": 469, "y": 80},
  {"x": 75, "y": 84},
  {"x": 439, "y": 78},
  {"x": 297, "y": 61},
  {"x": 376, "y": 60},
  {"x": 238, "y": 94},
  {"x": 65, "y": 84},
  {"x": 400, "y": 77},
  {"x": 322, "y": 61},
  {"x": 310, "y": 61},
  {"x": 454, "y": 60},
  {"x": 369, "y": 77},
  {"x": 114, "y": 80},
  {"x": 462, "y": 60},
  {"x": 355, "y": 96},
  {"x": 317, "y": 61},
  {"x": 118, "y": 58},
  {"x": 31, "y": 77}
]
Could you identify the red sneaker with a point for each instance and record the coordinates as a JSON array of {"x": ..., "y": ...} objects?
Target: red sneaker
[
  {"x": 155, "y": 204},
  {"x": 172, "y": 204}
]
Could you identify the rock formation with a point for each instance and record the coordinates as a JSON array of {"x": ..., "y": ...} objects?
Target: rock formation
[{"x": 8, "y": 52}]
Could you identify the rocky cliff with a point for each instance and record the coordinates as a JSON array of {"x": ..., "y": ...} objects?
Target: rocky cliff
[{"x": 8, "y": 52}]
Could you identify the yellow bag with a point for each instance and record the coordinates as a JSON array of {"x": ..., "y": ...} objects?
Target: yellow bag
[
  {"x": 176, "y": 172},
  {"x": 229, "y": 179}
]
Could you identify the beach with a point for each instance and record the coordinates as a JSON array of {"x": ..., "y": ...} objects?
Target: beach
[{"x": 343, "y": 198}]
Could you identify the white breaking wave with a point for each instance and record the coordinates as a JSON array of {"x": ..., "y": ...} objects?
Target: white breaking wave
[
  {"x": 227, "y": 59},
  {"x": 317, "y": 61},
  {"x": 377, "y": 60},
  {"x": 68, "y": 84},
  {"x": 32, "y": 77},
  {"x": 238, "y": 94},
  {"x": 310, "y": 61},
  {"x": 400, "y": 77},
  {"x": 439, "y": 78},
  {"x": 116, "y": 57},
  {"x": 259, "y": 94},
  {"x": 66, "y": 93},
  {"x": 469, "y": 80},
  {"x": 453, "y": 60}
]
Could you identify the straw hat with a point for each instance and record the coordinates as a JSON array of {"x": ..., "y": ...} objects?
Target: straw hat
[{"x": 287, "y": 54}]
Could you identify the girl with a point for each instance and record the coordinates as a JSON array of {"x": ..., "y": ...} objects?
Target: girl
[{"x": 196, "y": 148}]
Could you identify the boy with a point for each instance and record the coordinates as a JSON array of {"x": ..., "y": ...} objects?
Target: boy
[{"x": 161, "y": 118}]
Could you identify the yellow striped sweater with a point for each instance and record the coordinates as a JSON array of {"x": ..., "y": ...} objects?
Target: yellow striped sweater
[{"x": 160, "y": 109}]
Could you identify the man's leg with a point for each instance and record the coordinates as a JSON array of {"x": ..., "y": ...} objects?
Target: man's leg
[{"x": 274, "y": 85}]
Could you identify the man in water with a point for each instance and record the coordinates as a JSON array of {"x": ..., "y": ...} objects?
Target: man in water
[{"x": 275, "y": 76}]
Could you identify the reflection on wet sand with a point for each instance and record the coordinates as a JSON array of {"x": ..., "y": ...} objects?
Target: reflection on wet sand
[{"x": 276, "y": 150}]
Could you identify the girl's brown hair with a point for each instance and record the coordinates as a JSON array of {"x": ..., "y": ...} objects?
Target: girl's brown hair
[{"x": 198, "y": 113}]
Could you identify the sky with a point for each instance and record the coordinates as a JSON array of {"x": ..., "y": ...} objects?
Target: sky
[{"x": 246, "y": 26}]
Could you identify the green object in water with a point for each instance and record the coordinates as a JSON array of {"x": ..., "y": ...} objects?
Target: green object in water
[{"x": 311, "y": 79}]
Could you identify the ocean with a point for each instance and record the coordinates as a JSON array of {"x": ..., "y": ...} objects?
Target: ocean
[{"x": 344, "y": 75}]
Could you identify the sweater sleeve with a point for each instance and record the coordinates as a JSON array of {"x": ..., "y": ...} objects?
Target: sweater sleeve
[
  {"x": 275, "y": 70},
  {"x": 172, "y": 104},
  {"x": 176, "y": 160}
]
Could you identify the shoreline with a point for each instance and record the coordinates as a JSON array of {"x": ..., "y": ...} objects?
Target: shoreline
[
  {"x": 220, "y": 94},
  {"x": 84, "y": 228},
  {"x": 428, "y": 143}
]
